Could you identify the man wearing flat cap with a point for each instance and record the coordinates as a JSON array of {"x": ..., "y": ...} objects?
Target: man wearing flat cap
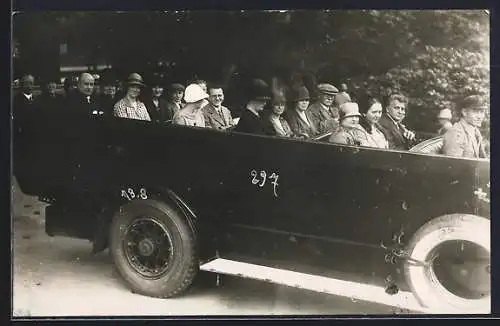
[
  {"x": 464, "y": 138},
  {"x": 325, "y": 116}
]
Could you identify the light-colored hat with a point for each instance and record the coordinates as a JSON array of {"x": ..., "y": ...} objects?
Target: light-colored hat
[
  {"x": 342, "y": 98},
  {"x": 194, "y": 93},
  {"x": 445, "y": 114},
  {"x": 327, "y": 89},
  {"x": 349, "y": 109}
]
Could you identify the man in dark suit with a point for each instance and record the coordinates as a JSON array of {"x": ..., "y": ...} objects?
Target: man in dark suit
[
  {"x": 24, "y": 99},
  {"x": 50, "y": 98},
  {"x": 391, "y": 123},
  {"x": 250, "y": 120},
  {"x": 83, "y": 100},
  {"x": 156, "y": 105}
]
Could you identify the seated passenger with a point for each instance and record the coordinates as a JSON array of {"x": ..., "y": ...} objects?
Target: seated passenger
[
  {"x": 70, "y": 85},
  {"x": 276, "y": 125},
  {"x": 155, "y": 104},
  {"x": 350, "y": 132},
  {"x": 216, "y": 115},
  {"x": 83, "y": 98},
  {"x": 174, "y": 98},
  {"x": 108, "y": 96},
  {"x": 191, "y": 114},
  {"x": 444, "y": 118},
  {"x": 299, "y": 118},
  {"x": 130, "y": 106},
  {"x": 49, "y": 97},
  {"x": 464, "y": 139},
  {"x": 251, "y": 120},
  {"x": 324, "y": 114},
  {"x": 371, "y": 111},
  {"x": 391, "y": 123}
]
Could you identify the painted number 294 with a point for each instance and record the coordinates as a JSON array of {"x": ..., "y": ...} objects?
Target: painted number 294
[
  {"x": 260, "y": 179},
  {"x": 130, "y": 194}
]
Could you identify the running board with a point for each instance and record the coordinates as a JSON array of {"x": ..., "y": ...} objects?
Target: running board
[{"x": 353, "y": 290}]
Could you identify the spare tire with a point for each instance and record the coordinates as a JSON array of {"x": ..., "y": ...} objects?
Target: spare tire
[
  {"x": 153, "y": 248},
  {"x": 457, "y": 276}
]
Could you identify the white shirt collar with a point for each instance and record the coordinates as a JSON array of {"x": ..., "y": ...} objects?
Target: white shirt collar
[{"x": 28, "y": 96}]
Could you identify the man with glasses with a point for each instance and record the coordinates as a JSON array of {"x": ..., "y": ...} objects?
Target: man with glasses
[
  {"x": 217, "y": 116},
  {"x": 391, "y": 123},
  {"x": 324, "y": 115}
]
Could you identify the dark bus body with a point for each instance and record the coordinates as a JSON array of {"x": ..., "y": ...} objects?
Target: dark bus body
[{"x": 308, "y": 206}]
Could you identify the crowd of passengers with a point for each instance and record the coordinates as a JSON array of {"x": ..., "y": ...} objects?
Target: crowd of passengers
[{"x": 361, "y": 121}]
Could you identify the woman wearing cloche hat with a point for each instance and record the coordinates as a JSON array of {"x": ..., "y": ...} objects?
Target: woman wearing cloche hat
[
  {"x": 299, "y": 117},
  {"x": 130, "y": 106},
  {"x": 350, "y": 132},
  {"x": 191, "y": 114}
]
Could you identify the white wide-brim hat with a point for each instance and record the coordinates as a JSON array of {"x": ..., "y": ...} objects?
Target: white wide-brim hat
[{"x": 194, "y": 93}]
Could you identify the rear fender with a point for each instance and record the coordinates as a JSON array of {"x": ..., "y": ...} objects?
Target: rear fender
[{"x": 100, "y": 241}]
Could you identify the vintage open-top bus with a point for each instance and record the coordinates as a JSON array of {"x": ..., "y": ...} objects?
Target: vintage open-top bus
[{"x": 170, "y": 200}]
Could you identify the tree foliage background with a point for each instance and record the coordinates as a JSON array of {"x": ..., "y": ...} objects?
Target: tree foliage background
[{"x": 434, "y": 57}]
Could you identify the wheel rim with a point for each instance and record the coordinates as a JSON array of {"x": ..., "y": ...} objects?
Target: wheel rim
[
  {"x": 148, "y": 247},
  {"x": 462, "y": 268}
]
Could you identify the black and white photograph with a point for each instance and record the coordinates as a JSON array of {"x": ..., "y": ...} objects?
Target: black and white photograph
[{"x": 250, "y": 163}]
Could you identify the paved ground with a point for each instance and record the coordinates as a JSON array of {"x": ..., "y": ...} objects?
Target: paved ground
[{"x": 59, "y": 277}]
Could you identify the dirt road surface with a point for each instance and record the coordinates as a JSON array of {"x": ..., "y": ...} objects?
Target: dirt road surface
[{"x": 59, "y": 277}]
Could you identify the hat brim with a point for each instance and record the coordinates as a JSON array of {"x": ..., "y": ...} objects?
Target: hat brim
[
  {"x": 328, "y": 93},
  {"x": 263, "y": 98},
  {"x": 351, "y": 115},
  {"x": 136, "y": 83}
]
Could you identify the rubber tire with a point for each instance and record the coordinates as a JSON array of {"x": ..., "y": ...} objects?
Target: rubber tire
[
  {"x": 184, "y": 268},
  {"x": 448, "y": 227}
]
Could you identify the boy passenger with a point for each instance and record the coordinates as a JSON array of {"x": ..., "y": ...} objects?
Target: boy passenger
[{"x": 464, "y": 139}]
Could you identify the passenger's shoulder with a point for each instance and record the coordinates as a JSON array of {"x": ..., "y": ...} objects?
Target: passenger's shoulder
[
  {"x": 455, "y": 133},
  {"x": 313, "y": 107}
]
